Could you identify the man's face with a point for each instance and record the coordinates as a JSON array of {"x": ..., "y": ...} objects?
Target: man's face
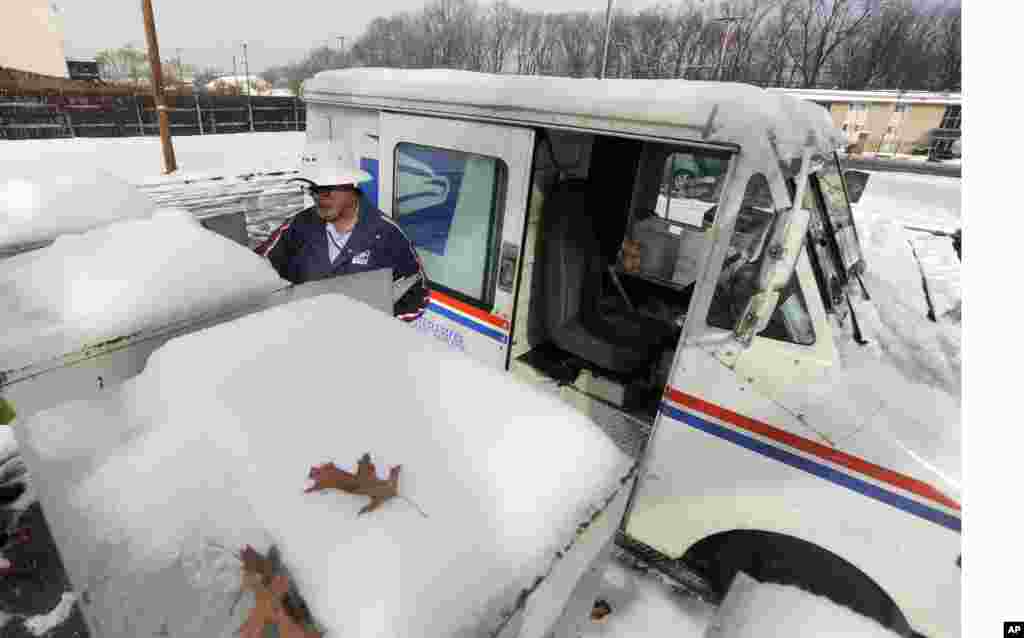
[{"x": 333, "y": 204}]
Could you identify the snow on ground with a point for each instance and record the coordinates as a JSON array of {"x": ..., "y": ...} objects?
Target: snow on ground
[
  {"x": 137, "y": 160},
  {"x": 115, "y": 280},
  {"x": 188, "y": 462},
  {"x": 72, "y": 185},
  {"x": 44, "y": 624},
  {"x": 8, "y": 444},
  {"x": 643, "y": 606}
]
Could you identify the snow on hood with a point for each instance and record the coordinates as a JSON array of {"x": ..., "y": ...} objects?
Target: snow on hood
[
  {"x": 37, "y": 205},
  {"x": 907, "y": 382},
  {"x": 728, "y": 113},
  {"x": 210, "y": 445},
  {"x": 119, "y": 279}
]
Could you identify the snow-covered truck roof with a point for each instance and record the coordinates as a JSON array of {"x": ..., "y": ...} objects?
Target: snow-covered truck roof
[{"x": 726, "y": 114}]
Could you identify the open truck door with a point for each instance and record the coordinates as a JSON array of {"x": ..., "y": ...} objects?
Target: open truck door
[{"x": 459, "y": 191}]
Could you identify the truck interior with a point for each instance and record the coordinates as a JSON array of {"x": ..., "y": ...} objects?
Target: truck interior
[{"x": 617, "y": 229}]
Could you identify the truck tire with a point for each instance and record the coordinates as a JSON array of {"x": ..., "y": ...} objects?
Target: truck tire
[{"x": 784, "y": 560}]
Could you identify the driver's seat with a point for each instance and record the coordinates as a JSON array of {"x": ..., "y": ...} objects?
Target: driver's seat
[{"x": 573, "y": 269}]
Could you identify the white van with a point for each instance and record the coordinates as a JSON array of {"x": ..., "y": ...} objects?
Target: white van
[{"x": 635, "y": 247}]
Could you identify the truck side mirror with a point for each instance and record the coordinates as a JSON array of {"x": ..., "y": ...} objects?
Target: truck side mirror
[{"x": 856, "y": 182}]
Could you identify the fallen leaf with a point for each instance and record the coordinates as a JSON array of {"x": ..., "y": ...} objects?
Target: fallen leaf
[
  {"x": 271, "y": 591},
  {"x": 600, "y": 611},
  {"x": 364, "y": 482}
]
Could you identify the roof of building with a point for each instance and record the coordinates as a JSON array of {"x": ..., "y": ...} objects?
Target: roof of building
[
  {"x": 725, "y": 114},
  {"x": 903, "y": 97},
  {"x": 240, "y": 79}
]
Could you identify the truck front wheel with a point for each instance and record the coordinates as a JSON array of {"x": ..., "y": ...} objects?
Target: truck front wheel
[{"x": 776, "y": 558}]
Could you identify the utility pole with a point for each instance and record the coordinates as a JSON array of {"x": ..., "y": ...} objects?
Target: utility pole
[
  {"x": 248, "y": 87},
  {"x": 170, "y": 165},
  {"x": 234, "y": 65},
  {"x": 607, "y": 35}
]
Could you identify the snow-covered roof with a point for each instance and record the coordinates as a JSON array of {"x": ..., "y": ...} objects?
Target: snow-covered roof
[
  {"x": 727, "y": 114},
  {"x": 901, "y": 97}
]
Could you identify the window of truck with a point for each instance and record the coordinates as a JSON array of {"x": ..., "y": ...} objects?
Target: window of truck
[
  {"x": 676, "y": 195},
  {"x": 791, "y": 321},
  {"x": 448, "y": 204}
]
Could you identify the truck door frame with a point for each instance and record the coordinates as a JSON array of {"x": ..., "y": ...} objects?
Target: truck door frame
[{"x": 480, "y": 325}]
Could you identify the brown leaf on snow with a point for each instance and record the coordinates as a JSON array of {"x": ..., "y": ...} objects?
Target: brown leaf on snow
[
  {"x": 364, "y": 482},
  {"x": 271, "y": 592}
]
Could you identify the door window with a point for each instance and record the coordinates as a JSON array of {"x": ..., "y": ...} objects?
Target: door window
[
  {"x": 448, "y": 204},
  {"x": 791, "y": 321}
]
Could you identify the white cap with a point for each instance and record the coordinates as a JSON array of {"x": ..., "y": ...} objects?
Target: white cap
[{"x": 323, "y": 165}]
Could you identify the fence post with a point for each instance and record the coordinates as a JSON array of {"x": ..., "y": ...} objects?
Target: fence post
[
  {"x": 199, "y": 114},
  {"x": 138, "y": 115},
  {"x": 252, "y": 124},
  {"x": 67, "y": 123},
  {"x": 295, "y": 112}
]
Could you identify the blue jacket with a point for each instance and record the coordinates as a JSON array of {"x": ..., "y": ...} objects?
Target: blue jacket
[{"x": 299, "y": 252}]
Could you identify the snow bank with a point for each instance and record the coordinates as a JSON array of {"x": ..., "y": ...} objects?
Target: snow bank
[
  {"x": 644, "y": 606},
  {"x": 150, "y": 488},
  {"x": 750, "y": 607},
  {"x": 116, "y": 280},
  {"x": 37, "y": 203}
]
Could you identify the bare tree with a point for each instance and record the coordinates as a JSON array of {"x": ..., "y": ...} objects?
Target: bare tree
[
  {"x": 687, "y": 29},
  {"x": 537, "y": 40},
  {"x": 501, "y": 33},
  {"x": 821, "y": 26},
  {"x": 577, "y": 33},
  {"x": 652, "y": 36},
  {"x": 950, "y": 55}
]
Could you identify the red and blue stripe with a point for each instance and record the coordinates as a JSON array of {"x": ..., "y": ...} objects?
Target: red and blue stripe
[
  {"x": 845, "y": 470},
  {"x": 485, "y": 323}
]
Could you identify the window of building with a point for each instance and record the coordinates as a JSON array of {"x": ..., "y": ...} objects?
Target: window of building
[
  {"x": 448, "y": 203},
  {"x": 791, "y": 321},
  {"x": 858, "y": 107},
  {"x": 902, "y": 108},
  {"x": 951, "y": 119}
]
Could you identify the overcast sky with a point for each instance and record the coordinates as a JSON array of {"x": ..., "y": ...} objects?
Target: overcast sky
[{"x": 209, "y": 32}]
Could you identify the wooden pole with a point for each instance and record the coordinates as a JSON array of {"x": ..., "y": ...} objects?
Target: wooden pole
[{"x": 158, "y": 88}]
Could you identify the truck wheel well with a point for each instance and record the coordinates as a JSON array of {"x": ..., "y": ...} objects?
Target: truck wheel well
[{"x": 785, "y": 560}]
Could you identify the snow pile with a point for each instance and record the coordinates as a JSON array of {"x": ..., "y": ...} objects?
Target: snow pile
[
  {"x": 751, "y": 606},
  {"x": 116, "y": 280},
  {"x": 643, "y": 606},
  {"x": 37, "y": 205},
  {"x": 151, "y": 488}
]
